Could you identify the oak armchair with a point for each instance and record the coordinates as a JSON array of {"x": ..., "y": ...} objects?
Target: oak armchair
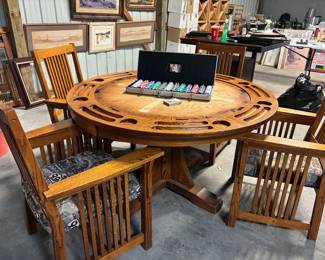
[
  {"x": 226, "y": 55},
  {"x": 56, "y": 74},
  {"x": 77, "y": 183},
  {"x": 282, "y": 167}
]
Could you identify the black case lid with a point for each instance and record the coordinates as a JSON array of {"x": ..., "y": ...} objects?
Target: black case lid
[{"x": 177, "y": 67}]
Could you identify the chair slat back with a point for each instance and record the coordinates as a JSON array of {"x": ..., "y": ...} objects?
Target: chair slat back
[
  {"x": 22, "y": 150},
  {"x": 58, "y": 69},
  {"x": 225, "y": 57},
  {"x": 317, "y": 129}
]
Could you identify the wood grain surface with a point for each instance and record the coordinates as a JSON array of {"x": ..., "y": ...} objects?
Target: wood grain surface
[{"x": 101, "y": 106}]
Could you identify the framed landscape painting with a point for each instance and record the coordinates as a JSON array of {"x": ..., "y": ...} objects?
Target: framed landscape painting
[
  {"x": 52, "y": 35},
  {"x": 97, "y": 9},
  {"x": 141, "y": 5},
  {"x": 101, "y": 37},
  {"x": 134, "y": 33}
]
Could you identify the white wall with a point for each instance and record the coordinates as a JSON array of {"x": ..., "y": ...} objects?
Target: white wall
[
  {"x": 297, "y": 8},
  {"x": 58, "y": 11}
]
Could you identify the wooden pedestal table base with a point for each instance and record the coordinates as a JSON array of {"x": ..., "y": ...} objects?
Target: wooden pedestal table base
[
  {"x": 102, "y": 107},
  {"x": 174, "y": 173}
]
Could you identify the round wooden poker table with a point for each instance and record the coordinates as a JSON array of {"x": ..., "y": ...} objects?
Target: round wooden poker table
[{"x": 101, "y": 107}]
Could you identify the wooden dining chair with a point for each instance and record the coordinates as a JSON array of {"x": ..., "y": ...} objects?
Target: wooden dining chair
[
  {"x": 228, "y": 56},
  {"x": 283, "y": 166},
  {"x": 81, "y": 186},
  {"x": 56, "y": 74}
]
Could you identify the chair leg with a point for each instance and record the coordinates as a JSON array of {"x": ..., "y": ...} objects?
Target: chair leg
[
  {"x": 133, "y": 147},
  {"x": 238, "y": 183},
  {"x": 213, "y": 154},
  {"x": 236, "y": 160},
  {"x": 30, "y": 220},
  {"x": 317, "y": 215},
  {"x": 146, "y": 206},
  {"x": 57, "y": 226}
]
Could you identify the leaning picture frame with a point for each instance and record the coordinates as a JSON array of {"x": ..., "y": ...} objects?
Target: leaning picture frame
[
  {"x": 141, "y": 5},
  {"x": 134, "y": 33},
  {"x": 27, "y": 81},
  {"x": 97, "y": 10},
  {"x": 42, "y": 36},
  {"x": 101, "y": 37}
]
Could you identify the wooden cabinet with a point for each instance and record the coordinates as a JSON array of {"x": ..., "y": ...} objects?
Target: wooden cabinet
[{"x": 212, "y": 12}]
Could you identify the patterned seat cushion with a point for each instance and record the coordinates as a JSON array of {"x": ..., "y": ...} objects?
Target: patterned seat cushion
[
  {"x": 315, "y": 170},
  {"x": 63, "y": 169}
]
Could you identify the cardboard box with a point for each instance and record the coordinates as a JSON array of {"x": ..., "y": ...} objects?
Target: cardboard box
[
  {"x": 180, "y": 6},
  {"x": 177, "y": 20},
  {"x": 177, "y": 47},
  {"x": 175, "y": 34}
]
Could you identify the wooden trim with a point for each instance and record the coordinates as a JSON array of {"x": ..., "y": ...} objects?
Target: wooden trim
[
  {"x": 102, "y": 173},
  {"x": 293, "y": 224},
  {"x": 274, "y": 143},
  {"x": 39, "y": 137},
  {"x": 138, "y": 239},
  {"x": 294, "y": 116},
  {"x": 161, "y": 24},
  {"x": 141, "y": 8},
  {"x": 56, "y": 103}
]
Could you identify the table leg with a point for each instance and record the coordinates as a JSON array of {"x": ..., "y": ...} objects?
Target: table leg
[{"x": 174, "y": 174}]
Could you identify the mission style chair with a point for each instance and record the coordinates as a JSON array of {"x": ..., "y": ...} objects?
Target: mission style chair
[
  {"x": 282, "y": 166},
  {"x": 231, "y": 63},
  {"x": 53, "y": 64},
  {"x": 81, "y": 186}
]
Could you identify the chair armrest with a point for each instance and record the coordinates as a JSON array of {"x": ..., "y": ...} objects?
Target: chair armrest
[
  {"x": 274, "y": 143},
  {"x": 52, "y": 133},
  {"x": 294, "y": 116},
  {"x": 102, "y": 173},
  {"x": 56, "y": 103}
]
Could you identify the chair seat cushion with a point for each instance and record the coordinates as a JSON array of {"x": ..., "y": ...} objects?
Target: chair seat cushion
[
  {"x": 315, "y": 170},
  {"x": 63, "y": 169}
]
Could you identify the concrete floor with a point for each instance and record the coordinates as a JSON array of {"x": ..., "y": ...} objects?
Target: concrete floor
[{"x": 180, "y": 229}]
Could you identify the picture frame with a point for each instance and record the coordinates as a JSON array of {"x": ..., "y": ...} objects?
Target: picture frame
[
  {"x": 42, "y": 36},
  {"x": 27, "y": 81},
  {"x": 97, "y": 10},
  {"x": 101, "y": 37},
  {"x": 134, "y": 33},
  {"x": 141, "y": 5}
]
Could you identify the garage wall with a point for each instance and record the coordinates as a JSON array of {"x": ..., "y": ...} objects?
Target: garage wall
[
  {"x": 58, "y": 11},
  {"x": 297, "y": 8}
]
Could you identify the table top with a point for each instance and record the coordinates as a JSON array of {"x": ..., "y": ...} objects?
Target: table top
[
  {"x": 254, "y": 44},
  {"x": 101, "y": 106}
]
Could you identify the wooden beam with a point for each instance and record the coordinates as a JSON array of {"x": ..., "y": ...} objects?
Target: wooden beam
[
  {"x": 16, "y": 27},
  {"x": 161, "y": 21}
]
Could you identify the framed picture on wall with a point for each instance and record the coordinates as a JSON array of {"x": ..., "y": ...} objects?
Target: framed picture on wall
[
  {"x": 97, "y": 9},
  {"x": 141, "y": 5},
  {"x": 134, "y": 33},
  {"x": 101, "y": 37},
  {"x": 27, "y": 81},
  {"x": 42, "y": 36}
]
